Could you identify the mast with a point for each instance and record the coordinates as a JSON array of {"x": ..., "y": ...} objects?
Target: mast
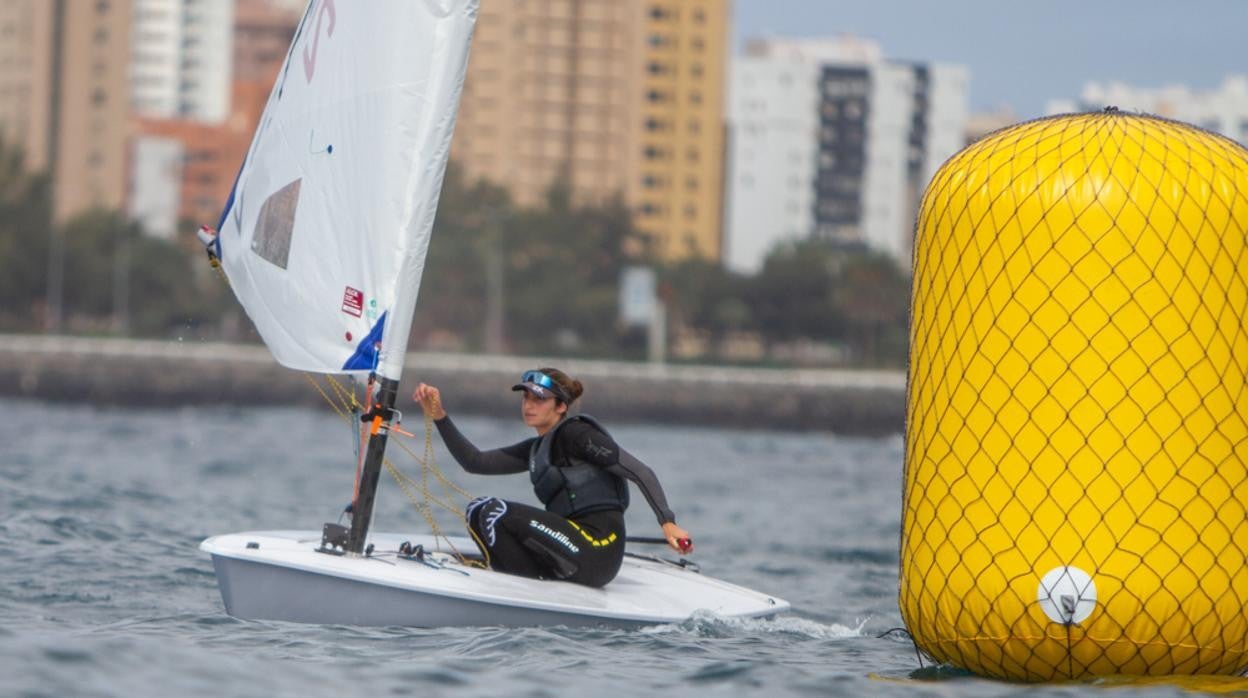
[{"x": 380, "y": 414}]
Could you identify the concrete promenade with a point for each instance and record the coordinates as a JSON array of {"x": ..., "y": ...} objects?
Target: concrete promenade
[{"x": 168, "y": 373}]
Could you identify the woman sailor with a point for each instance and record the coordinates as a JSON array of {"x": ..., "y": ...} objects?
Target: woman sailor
[{"x": 578, "y": 473}]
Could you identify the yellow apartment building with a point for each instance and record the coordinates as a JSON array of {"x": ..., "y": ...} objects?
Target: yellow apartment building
[
  {"x": 548, "y": 96},
  {"x": 678, "y": 188},
  {"x": 613, "y": 97}
]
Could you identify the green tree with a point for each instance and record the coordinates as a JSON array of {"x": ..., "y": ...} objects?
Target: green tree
[
  {"x": 453, "y": 293},
  {"x": 704, "y": 295},
  {"x": 793, "y": 295},
  {"x": 119, "y": 279},
  {"x": 873, "y": 294},
  {"x": 556, "y": 268},
  {"x": 563, "y": 269},
  {"x": 172, "y": 292},
  {"x": 25, "y": 228},
  {"x": 552, "y": 270}
]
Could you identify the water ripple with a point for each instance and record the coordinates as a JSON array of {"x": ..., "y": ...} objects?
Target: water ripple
[
  {"x": 723, "y": 671},
  {"x": 67, "y": 656},
  {"x": 882, "y": 556},
  {"x": 103, "y": 590}
]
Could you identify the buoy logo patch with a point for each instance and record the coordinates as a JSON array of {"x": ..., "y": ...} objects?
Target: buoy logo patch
[{"x": 1067, "y": 595}]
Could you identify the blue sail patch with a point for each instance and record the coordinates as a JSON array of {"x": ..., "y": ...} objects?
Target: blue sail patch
[{"x": 365, "y": 356}]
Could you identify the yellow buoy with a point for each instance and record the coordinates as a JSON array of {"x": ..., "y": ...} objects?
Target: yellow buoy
[{"x": 1076, "y": 486}]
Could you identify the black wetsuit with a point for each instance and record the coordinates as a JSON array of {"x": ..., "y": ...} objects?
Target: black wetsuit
[{"x": 586, "y": 547}]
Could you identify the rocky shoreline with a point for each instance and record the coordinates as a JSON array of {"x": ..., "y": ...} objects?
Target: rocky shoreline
[{"x": 157, "y": 373}]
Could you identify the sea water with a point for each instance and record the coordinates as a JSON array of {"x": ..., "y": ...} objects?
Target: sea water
[{"x": 103, "y": 590}]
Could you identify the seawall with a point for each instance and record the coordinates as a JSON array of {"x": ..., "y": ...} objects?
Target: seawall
[{"x": 166, "y": 373}]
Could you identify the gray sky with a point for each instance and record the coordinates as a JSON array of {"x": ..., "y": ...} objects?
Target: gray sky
[{"x": 1022, "y": 53}]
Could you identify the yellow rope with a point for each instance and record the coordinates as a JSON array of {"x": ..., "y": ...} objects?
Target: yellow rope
[
  {"x": 216, "y": 264},
  {"x": 406, "y": 484},
  {"x": 346, "y": 396},
  {"x": 317, "y": 386}
]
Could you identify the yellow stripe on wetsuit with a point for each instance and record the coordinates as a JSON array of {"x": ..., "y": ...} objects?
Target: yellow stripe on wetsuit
[{"x": 596, "y": 542}]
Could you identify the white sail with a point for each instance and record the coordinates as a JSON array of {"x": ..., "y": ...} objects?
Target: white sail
[{"x": 325, "y": 233}]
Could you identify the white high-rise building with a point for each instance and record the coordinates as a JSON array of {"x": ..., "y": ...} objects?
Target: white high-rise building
[
  {"x": 155, "y": 184},
  {"x": 773, "y": 117},
  {"x": 1223, "y": 110},
  {"x": 827, "y": 138},
  {"x": 182, "y": 64}
]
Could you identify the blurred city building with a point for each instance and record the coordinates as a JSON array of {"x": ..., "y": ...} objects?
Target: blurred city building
[
  {"x": 134, "y": 104},
  {"x": 183, "y": 165},
  {"x": 830, "y": 139},
  {"x": 1223, "y": 110},
  {"x": 65, "y": 95},
  {"x": 262, "y": 33},
  {"x": 546, "y": 97},
  {"x": 678, "y": 188},
  {"x": 182, "y": 170},
  {"x": 610, "y": 98},
  {"x": 181, "y": 63}
]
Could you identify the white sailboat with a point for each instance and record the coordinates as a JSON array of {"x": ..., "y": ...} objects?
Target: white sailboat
[{"x": 323, "y": 241}]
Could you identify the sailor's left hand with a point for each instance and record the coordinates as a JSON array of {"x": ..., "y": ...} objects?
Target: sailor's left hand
[
  {"x": 430, "y": 399},
  {"x": 678, "y": 538}
]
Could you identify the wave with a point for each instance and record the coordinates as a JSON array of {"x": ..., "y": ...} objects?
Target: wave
[{"x": 708, "y": 624}]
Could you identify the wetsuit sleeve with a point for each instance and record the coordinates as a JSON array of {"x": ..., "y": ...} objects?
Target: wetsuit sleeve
[
  {"x": 630, "y": 468},
  {"x": 499, "y": 461}
]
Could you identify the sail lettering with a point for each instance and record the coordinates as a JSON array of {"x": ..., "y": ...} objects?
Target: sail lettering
[{"x": 309, "y": 59}]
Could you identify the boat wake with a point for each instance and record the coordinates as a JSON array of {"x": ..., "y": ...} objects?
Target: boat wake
[{"x": 708, "y": 624}]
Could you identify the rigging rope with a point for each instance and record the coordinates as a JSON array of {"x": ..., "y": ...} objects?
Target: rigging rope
[{"x": 346, "y": 405}]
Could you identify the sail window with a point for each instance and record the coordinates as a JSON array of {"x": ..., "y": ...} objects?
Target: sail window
[{"x": 276, "y": 225}]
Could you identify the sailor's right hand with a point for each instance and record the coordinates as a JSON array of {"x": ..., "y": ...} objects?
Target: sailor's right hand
[
  {"x": 678, "y": 538},
  {"x": 430, "y": 400}
]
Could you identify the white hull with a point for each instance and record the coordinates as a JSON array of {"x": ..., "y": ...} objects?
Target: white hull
[{"x": 282, "y": 577}]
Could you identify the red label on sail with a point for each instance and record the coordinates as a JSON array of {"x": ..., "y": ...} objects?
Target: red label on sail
[{"x": 353, "y": 302}]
